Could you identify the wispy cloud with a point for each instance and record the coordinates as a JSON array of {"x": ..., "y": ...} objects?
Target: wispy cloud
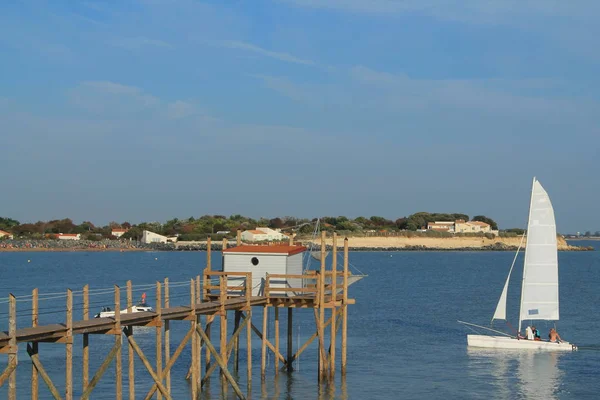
[
  {"x": 111, "y": 99},
  {"x": 234, "y": 44},
  {"x": 136, "y": 43},
  {"x": 107, "y": 97}
]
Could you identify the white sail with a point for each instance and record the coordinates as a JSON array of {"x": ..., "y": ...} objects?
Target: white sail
[
  {"x": 539, "y": 293},
  {"x": 501, "y": 307}
]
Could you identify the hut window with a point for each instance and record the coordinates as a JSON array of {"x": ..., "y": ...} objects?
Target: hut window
[{"x": 254, "y": 261}]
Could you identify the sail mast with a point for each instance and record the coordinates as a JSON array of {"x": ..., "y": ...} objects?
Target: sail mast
[{"x": 525, "y": 258}]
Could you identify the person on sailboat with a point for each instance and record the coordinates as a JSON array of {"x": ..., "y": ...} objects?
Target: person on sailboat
[
  {"x": 529, "y": 333},
  {"x": 536, "y": 333},
  {"x": 143, "y": 303},
  {"x": 554, "y": 336}
]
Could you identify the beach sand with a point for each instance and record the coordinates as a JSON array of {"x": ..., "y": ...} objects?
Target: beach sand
[{"x": 436, "y": 243}]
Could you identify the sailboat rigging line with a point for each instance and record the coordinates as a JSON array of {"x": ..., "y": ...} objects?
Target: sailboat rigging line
[
  {"x": 484, "y": 327},
  {"x": 511, "y": 327}
]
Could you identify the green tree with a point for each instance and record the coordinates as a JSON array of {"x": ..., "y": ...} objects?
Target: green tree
[
  {"x": 401, "y": 223},
  {"x": 518, "y": 231},
  {"x": 8, "y": 223}
]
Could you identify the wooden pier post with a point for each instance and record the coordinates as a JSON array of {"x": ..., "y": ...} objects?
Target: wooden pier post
[
  {"x": 333, "y": 305},
  {"x": 69, "y": 348},
  {"x": 321, "y": 309},
  {"x": 12, "y": 355},
  {"x": 34, "y": 345},
  {"x": 239, "y": 237},
  {"x": 118, "y": 344},
  {"x": 194, "y": 324},
  {"x": 223, "y": 315},
  {"x": 130, "y": 351},
  {"x": 290, "y": 340},
  {"x": 198, "y": 338},
  {"x": 236, "y": 342},
  {"x": 249, "y": 330},
  {"x": 276, "y": 340},
  {"x": 263, "y": 363},
  {"x": 167, "y": 338},
  {"x": 345, "y": 310},
  {"x": 86, "y": 347},
  {"x": 159, "y": 344},
  {"x": 207, "y": 282}
]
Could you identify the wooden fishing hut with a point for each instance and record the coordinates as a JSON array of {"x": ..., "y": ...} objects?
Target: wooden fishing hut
[{"x": 252, "y": 277}]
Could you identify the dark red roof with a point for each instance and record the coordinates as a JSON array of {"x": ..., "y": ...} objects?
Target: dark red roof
[{"x": 275, "y": 249}]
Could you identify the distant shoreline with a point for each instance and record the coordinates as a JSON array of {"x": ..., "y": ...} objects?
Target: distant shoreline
[
  {"x": 68, "y": 250},
  {"x": 390, "y": 243}
]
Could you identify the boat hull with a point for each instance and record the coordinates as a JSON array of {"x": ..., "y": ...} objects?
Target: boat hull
[
  {"x": 505, "y": 342},
  {"x": 134, "y": 309}
]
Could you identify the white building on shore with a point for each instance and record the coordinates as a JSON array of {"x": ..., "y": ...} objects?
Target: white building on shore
[
  {"x": 118, "y": 232},
  {"x": 262, "y": 235},
  {"x": 460, "y": 226},
  {"x": 151, "y": 237},
  {"x": 68, "y": 236},
  {"x": 4, "y": 234}
]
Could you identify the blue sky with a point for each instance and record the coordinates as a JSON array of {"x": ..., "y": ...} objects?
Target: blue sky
[{"x": 153, "y": 109}]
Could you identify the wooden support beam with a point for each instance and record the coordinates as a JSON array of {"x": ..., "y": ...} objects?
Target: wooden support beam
[
  {"x": 209, "y": 318},
  {"x": 345, "y": 310},
  {"x": 96, "y": 378},
  {"x": 333, "y": 310},
  {"x": 7, "y": 372},
  {"x": 12, "y": 343},
  {"x": 198, "y": 338},
  {"x": 249, "y": 329},
  {"x": 321, "y": 309},
  {"x": 222, "y": 364},
  {"x": 308, "y": 342},
  {"x": 69, "y": 348},
  {"x": 138, "y": 351},
  {"x": 167, "y": 374},
  {"x": 236, "y": 342},
  {"x": 40, "y": 368},
  {"x": 194, "y": 322},
  {"x": 277, "y": 339},
  {"x": 229, "y": 347},
  {"x": 263, "y": 362},
  {"x": 118, "y": 343},
  {"x": 158, "y": 311},
  {"x": 338, "y": 319},
  {"x": 223, "y": 314},
  {"x": 267, "y": 343},
  {"x": 130, "y": 355},
  {"x": 34, "y": 345},
  {"x": 171, "y": 361},
  {"x": 239, "y": 237},
  {"x": 290, "y": 340},
  {"x": 86, "y": 348}
]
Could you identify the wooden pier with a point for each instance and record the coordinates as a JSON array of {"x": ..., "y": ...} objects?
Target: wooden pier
[{"x": 218, "y": 295}]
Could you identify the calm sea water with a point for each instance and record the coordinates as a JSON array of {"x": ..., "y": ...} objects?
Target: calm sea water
[{"x": 404, "y": 341}]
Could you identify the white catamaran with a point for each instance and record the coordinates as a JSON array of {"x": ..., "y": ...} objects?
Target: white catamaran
[{"x": 539, "y": 290}]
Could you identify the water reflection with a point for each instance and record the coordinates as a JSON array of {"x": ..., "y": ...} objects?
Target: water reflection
[{"x": 521, "y": 373}]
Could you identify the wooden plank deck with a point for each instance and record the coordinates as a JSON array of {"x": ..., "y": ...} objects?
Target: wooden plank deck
[{"x": 53, "y": 332}]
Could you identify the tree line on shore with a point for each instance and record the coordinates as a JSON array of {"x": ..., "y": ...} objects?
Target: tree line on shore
[{"x": 219, "y": 225}]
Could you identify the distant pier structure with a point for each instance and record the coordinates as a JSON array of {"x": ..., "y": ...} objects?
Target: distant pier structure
[{"x": 253, "y": 277}]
